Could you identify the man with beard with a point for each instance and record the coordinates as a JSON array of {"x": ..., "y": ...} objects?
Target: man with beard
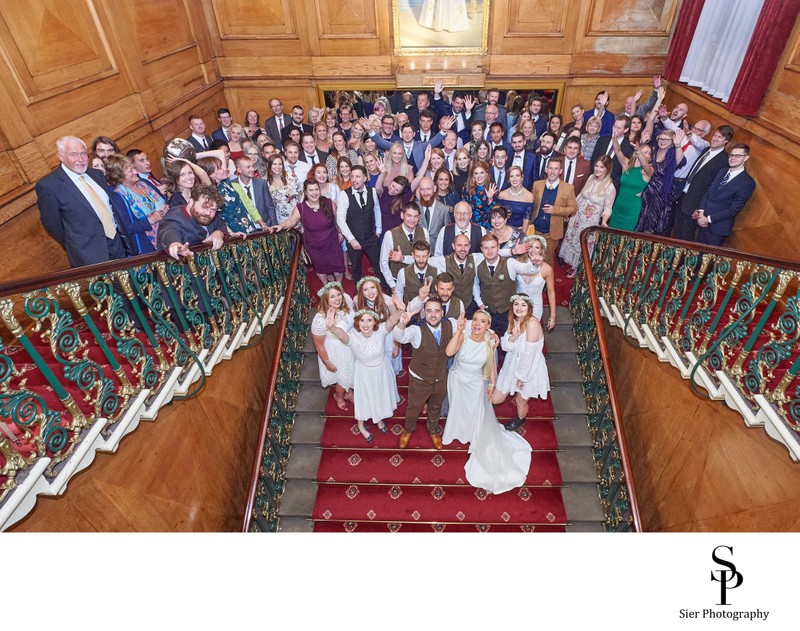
[
  {"x": 433, "y": 213},
  {"x": 197, "y": 222},
  {"x": 462, "y": 213},
  {"x": 397, "y": 243}
]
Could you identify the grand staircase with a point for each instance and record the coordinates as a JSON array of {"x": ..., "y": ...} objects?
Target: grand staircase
[{"x": 562, "y": 473}]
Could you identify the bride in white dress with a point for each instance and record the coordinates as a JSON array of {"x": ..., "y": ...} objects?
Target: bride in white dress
[{"x": 498, "y": 460}]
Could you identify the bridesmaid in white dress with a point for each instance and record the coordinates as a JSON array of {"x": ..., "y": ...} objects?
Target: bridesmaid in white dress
[
  {"x": 498, "y": 460},
  {"x": 534, "y": 284},
  {"x": 336, "y": 361},
  {"x": 375, "y": 393},
  {"x": 524, "y": 373},
  {"x": 370, "y": 296}
]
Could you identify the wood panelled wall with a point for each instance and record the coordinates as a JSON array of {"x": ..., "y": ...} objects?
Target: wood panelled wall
[
  {"x": 697, "y": 467},
  {"x": 129, "y": 69}
]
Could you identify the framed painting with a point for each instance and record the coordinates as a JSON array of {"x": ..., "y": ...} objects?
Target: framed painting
[{"x": 440, "y": 27}]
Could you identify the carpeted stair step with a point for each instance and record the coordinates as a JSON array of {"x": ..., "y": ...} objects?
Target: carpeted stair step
[
  {"x": 405, "y": 503},
  {"x": 418, "y": 467},
  {"x": 343, "y": 433}
]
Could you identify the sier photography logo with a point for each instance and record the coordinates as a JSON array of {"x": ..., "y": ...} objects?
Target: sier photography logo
[{"x": 728, "y": 578}]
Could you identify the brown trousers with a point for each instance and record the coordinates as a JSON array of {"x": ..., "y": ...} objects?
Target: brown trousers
[{"x": 419, "y": 393}]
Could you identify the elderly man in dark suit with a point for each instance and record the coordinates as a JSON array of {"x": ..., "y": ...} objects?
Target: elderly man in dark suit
[
  {"x": 725, "y": 198},
  {"x": 197, "y": 222},
  {"x": 276, "y": 123},
  {"x": 75, "y": 209}
]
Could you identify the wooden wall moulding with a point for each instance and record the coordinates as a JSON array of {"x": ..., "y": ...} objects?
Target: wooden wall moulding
[
  {"x": 534, "y": 18},
  {"x": 346, "y": 20},
  {"x": 408, "y": 79},
  {"x": 34, "y": 39},
  {"x": 245, "y": 19},
  {"x": 151, "y": 22},
  {"x": 624, "y": 18}
]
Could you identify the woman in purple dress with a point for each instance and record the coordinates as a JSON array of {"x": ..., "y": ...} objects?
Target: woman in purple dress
[
  {"x": 320, "y": 237},
  {"x": 657, "y": 216}
]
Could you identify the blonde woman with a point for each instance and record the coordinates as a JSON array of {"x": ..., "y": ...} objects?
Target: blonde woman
[{"x": 498, "y": 460}]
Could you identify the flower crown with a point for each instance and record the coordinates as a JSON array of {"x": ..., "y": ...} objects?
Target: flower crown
[
  {"x": 368, "y": 312},
  {"x": 364, "y": 279},
  {"x": 536, "y": 237},
  {"x": 328, "y": 286},
  {"x": 523, "y": 297}
]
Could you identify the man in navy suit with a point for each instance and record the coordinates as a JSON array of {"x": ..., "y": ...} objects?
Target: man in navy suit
[
  {"x": 499, "y": 169},
  {"x": 199, "y": 139},
  {"x": 725, "y": 198},
  {"x": 225, "y": 119},
  {"x": 75, "y": 209},
  {"x": 708, "y": 164},
  {"x": 457, "y": 109},
  {"x": 606, "y": 117},
  {"x": 528, "y": 161}
]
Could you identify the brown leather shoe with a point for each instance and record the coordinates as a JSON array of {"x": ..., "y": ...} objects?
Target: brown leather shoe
[
  {"x": 405, "y": 436},
  {"x": 436, "y": 439}
]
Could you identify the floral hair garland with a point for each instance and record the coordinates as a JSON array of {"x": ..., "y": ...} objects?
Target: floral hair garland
[
  {"x": 536, "y": 237},
  {"x": 523, "y": 297},
  {"x": 368, "y": 312},
  {"x": 364, "y": 279},
  {"x": 328, "y": 286}
]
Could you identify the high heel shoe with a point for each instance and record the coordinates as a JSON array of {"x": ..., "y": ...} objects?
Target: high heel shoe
[
  {"x": 368, "y": 438},
  {"x": 383, "y": 428}
]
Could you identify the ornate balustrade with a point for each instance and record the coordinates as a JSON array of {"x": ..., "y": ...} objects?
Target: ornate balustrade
[
  {"x": 267, "y": 481},
  {"x": 727, "y": 320},
  {"x": 615, "y": 480},
  {"x": 86, "y": 354}
]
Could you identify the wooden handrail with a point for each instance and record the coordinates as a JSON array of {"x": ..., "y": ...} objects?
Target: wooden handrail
[
  {"x": 77, "y": 273},
  {"x": 701, "y": 247},
  {"x": 273, "y": 382},
  {"x": 604, "y": 358}
]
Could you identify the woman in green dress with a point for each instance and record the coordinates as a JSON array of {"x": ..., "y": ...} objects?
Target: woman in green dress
[{"x": 636, "y": 173}]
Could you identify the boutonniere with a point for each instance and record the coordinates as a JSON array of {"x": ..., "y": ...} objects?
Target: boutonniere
[
  {"x": 502, "y": 277},
  {"x": 429, "y": 279},
  {"x": 470, "y": 265}
]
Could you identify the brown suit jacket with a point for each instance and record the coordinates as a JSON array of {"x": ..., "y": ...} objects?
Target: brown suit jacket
[
  {"x": 583, "y": 169},
  {"x": 565, "y": 206}
]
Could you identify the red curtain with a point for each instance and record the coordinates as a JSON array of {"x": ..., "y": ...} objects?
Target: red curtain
[
  {"x": 682, "y": 38},
  {"x": 769, "y": 39}
]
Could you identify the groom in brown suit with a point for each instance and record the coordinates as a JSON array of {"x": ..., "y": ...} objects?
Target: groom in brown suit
[{"x": 428, "y": 368}]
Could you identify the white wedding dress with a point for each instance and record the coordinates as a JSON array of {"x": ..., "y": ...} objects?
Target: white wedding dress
[
  {"x": 375, "y": 395},
  {"x": 499, "y": 460}
]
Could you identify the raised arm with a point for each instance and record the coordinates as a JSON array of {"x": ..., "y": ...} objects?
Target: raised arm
[
  {"x": 458, "y": 337},
  {"x": 423, "y": 169},
  {"x": 330, "y": 323}
]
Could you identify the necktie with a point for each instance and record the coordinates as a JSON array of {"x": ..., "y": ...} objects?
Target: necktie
[
  {"x": 361, "y": 201},
  {"x": 408, "y": 152},
  {"x": 101, "y": 208},
  {"x": 428, "y": 216},
  {"x": 292, "y": 168},
  {"x": 153, "y": 180},
  {"x": 205, "y": 143},
  {"x": 461, "y": 267},
  {"x": 543, "y": 166},
  {"x": 280, "y": 122},
  {"x": 725, "y": 179},
  {"x": 421, "y": 277},
  {"x": 410, "y": 238},
  {"x": 569, "y": 172},
  {"x": 444, "y": 315},
  {"x": 425, "y": 138},
  {"x": 249, "y": 191},
  {"x": 491, "y": 270},
  {"x": 698, "y": 163},
  {"x": 610, "y": 150},
  {"x": 437, "y": 334},
  {"x": 312, "y": 158}
]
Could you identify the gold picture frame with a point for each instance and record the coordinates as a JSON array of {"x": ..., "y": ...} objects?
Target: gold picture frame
[{"x": 421, "y": 27}]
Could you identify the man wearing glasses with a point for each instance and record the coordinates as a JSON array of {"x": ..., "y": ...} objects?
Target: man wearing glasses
[{"x": 725, "y": 198}]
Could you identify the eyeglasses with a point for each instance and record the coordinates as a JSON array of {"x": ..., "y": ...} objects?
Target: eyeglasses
[{"x": 737, "y": 155}]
